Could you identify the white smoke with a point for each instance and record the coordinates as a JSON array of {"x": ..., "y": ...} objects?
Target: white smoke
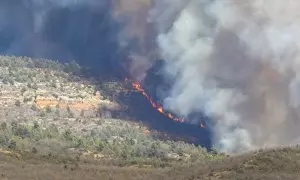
[{"x": 238, "y": 62}]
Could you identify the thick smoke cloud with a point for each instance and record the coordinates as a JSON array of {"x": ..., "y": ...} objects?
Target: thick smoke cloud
[
  {"x": 238, "y": 62},
  {"x": 88, "y": 31}
]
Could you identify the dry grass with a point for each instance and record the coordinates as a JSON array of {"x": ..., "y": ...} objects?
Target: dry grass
[
  {"x": 40, "y": 168},
  {"x": 269, "y": 164}
]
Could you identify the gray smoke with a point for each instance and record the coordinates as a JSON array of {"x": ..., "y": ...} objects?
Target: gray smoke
[
  {"x": 238, "y": 62},
  {"x": 25, "y": 22},
  {"x": 93, "y": 32}
]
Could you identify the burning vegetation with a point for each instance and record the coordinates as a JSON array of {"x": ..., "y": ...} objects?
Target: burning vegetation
[
  {"x": 136, "y": 85},
  {"x": 154, "y": 104}
]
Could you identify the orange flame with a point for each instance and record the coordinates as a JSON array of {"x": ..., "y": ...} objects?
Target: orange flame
[{"x": 157, "y": 106}]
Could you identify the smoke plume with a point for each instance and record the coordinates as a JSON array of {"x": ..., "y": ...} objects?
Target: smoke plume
[
  {"x": 103, "y": 34},
  {"x": 238, "y": 62}
]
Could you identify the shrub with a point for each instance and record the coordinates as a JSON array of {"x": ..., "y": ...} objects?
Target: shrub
[
  {"x": 27, "y": 99},
  {"x": 3, "y": 126},
  {"x": 68, "y": 135},
  {"x": 43, "y": 114},
  {"x": 33, "y": 107},
  {"x": 82, "y": 113},
  {"x": 23, "y": 90},
  {"x": 12, "y": 144},
  {"x": 48, "y": 109},
  {"x": 18, "y": 103}
]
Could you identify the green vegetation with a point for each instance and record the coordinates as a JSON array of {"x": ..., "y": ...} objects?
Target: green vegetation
[
  {"x": 15, "y": 62},
  {"x": 126, "y": 144},
  {"x": 268, "y": 164}
]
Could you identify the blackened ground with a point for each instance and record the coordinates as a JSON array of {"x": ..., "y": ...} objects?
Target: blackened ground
[{"x": 141, "y": 109}]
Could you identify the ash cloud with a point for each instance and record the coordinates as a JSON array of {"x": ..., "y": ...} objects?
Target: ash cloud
[
  {"x": 238, "y": 62},
  {"x": 87, "y": 31}
]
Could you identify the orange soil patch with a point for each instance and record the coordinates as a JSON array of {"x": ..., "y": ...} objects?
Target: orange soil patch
[{"x": 74, "y": 104}]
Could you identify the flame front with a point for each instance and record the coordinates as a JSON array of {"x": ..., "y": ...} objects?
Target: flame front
[{"x": 157, "y": 106}]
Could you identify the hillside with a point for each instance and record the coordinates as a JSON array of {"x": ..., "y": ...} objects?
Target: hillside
[
  {"x": 269, "y": 164},
  {"x": 56, "y": 123},
  {"x": 46, "y": 92},
  {"x": 50, "y": 110}
]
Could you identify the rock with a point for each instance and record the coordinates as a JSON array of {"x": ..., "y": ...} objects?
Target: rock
[{"x": 172, "y": 156}]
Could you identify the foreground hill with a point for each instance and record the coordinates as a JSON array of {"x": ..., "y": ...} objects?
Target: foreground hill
[{"x": 268, "y": 164}]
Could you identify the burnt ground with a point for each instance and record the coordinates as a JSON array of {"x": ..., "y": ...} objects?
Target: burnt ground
[{"x": 141, "y": 109}]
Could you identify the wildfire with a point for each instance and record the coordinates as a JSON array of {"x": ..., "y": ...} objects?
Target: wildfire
[{"x": 157, "y": 106}]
